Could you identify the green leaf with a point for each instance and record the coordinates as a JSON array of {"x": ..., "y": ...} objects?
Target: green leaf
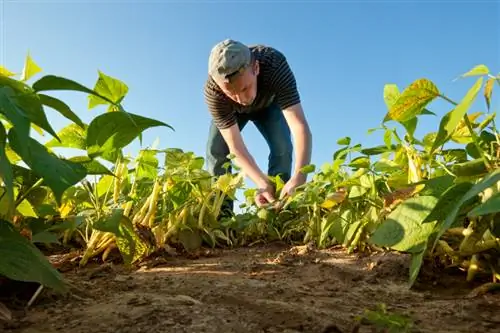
[
  {"x": 345, "y": 141},
  {"x": 13, "y": 113},
  {"x": 20, "y": 260},
  {"x": 307, "y": 169},
  {"x": 6, "y": 173},
  {"x": 30, "y": 69},
  {"x": 477, "y": 70},
  {"x": 404, "y": 229},
  {"x": 92, "y": 166},
  {"x": 391, "y": 95},
  {"x": 26, "y": 102},
  {"x": 114, "y": 90},
  {"x": 52, "y": 82},
  {"x": 488, "y": 181},
  {"x": 360, "y": 162},
  {"x": 71, "y": 136},
  {"x": 147, "y": 164},
  {"x": 412, "y": 101},
  {"x": 490, "y": 206},
  {"x": 450, "y": 121},
  {"x": 61, "y": 107},
  {"x": 112, "y": 131},
  {"x": 57, "y": 173},
  {"x": 378, "y": 150}
]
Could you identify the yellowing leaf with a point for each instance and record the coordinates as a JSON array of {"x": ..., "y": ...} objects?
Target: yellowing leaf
[
  {"x": 30, "y": 69},
  {"x": 413, "y": 100},
  {"x": 5, "y": 71},
  {"x": 462, "y": 133},
  {"x": 488, "y": 90}
]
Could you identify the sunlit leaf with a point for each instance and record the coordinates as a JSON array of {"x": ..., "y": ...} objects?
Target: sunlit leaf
[
  {"x": 451, "y": 120},
  {"x": 110, "y": 132},
  {"x": 72, "y": 136},
  {"x": 4, "y": 71},
  {"x": 113, "y": 89},
  {"x": 477, "y": 70},
  {"x": 6, "y": 174},
  {"x": 30, "y": 69},
  {"x": 413, "y": 100}
]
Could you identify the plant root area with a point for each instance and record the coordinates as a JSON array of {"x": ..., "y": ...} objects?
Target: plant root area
[{"x": 264, "y": 288}]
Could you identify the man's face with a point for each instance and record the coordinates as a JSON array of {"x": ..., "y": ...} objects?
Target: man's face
[{"x": 242, "y": 88}]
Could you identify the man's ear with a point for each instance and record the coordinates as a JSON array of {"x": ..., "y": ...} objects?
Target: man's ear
[{"x": 256, "y": 67}]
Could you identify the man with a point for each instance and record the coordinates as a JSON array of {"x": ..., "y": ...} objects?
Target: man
[{"x": 255, "y": 84}]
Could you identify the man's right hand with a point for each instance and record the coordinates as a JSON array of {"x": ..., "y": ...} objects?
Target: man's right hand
[{"x": 265, "y": 196}]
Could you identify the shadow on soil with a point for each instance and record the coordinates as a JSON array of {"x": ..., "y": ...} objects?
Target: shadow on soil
[{"x": 269, "y": 288}]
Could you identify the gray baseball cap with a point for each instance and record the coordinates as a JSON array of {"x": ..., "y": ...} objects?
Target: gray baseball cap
[{"x": 227, "y": 58}]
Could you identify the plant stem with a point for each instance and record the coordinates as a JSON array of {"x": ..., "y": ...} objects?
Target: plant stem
[{"x": 472, "y": 133}]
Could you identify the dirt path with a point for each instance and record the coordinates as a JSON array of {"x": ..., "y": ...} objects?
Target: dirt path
[{"x": 261, "y": 289}]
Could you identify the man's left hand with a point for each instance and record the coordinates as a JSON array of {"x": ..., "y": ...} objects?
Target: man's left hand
[{"x": 290, "y": 186}]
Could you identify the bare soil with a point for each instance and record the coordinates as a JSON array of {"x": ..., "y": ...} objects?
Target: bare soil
[{"x": 272, "y": 288}]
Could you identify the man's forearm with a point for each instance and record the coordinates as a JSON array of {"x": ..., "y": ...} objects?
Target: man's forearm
[
  {"x": 303, "y": 150},
  {"x": 246, "y": 162}
]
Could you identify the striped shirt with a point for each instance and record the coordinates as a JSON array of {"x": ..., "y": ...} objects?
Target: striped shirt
[{"x": 275, "y": 84}]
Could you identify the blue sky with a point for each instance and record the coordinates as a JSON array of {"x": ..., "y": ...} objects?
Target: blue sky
[{"x": 342, "y": 55}]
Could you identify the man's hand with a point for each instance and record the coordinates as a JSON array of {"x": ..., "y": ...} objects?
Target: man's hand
[
  {"x": 290, "y": 186},
  {"x": 265, "y": 196}
]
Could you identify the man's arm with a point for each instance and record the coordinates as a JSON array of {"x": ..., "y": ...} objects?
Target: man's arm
[
  {"x": 244, "y": 160},
  {"x": 302, "y": 138}
]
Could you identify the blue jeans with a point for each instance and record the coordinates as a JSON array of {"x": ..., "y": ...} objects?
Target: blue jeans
[{"x": 272, "y": 125}]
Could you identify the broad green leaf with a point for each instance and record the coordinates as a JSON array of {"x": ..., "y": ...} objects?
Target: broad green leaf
[
  {"x": 490, "y": 206},
  {"x": 61, "y": 107},
  {"x": 6, "y": 174},
  {"x": 488, "y": 91},
  {"x": 52, "y": 82},
  {"x": 447, "y": 200},
  {"x": 26, "y": 209},
  {"x": 110, "y": 132},
  {"x": 30, "y": 69},
  {"x": 451, "y": 120},
  {"x": 378, "y": 150},
  {"x": 92, "y": 166},
  {"x": 410, "y": 126},
  {"x": 26, "y": 101},
  {"x": 72, "y": 136},
  {"x": 412, "y": 100},
  {"x": 5, "y": 72},
  {"x": 16, "y": 116},
  {"x": 310, "y": 168},
  {"x": 477, "y": 70},
  {"x": 345, "y": 141},
  {"x": 147, "y": 164},
  {"x": 489, "y": 180},
  {"x": 104, "y": 185},
  {"x": 20, "y": 260},
  {"x": 57, "y": 173},
  {"x": 360, "y": 162},
  {"x": 404, "y": 229},
  {"x": 114, "y": 90}
]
